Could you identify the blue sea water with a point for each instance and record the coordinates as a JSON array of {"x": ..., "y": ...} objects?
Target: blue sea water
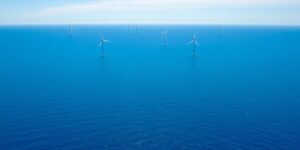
[{"x": 242, "y": 91}]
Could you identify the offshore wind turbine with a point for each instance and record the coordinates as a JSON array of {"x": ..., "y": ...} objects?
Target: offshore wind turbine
[
  {"x": 164, "y": 34},
  {"x": 71, "y": 30},
  {"x": 136, "y": 29},
  {"x": 101, "y": 44},
  {"x": 195, "y": 43}
]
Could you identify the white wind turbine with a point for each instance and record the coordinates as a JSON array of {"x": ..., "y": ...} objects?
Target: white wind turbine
[
  {"x": 101, "y": 44},
  {"x": 70, "y": 30},
  {"x": 136, "y": 29},
  {"x": 164, "y": 34},
  {"x": 195, "y": 43}
]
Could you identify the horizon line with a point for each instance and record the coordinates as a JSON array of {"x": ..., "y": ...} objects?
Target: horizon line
[{"x": 137, "y": 23}]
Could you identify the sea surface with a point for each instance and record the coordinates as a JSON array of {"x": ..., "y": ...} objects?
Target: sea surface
[{"x": 241, "y": 92}]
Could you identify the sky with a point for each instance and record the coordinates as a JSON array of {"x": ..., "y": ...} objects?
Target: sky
[{"x": 269, "y": 12}]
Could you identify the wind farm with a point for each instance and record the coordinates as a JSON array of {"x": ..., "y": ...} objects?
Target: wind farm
[
  {"x": 164, "y": 34},
  {"x": 149, "y": 75},
  {"x": 149, "y": 91}
]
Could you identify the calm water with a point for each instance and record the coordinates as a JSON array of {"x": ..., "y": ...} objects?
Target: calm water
[{"x": 242, "y": 91}]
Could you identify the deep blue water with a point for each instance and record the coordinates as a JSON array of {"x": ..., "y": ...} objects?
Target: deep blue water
[{"x": 242, "y": 91}]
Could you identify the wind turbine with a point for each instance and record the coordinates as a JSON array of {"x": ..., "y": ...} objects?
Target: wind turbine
[
  {"x": 71, "y": 30},
  {"x": 164, "y": 34},
  {"x": 136, "y": 29},
  {"x": 101, "y": 44},
  {"x": 195, "y": 43}
]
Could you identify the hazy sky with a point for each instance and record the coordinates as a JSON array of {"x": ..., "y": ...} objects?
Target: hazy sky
[{"x": 286, "y": 12}]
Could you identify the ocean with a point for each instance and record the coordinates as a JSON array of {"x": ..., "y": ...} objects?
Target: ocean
[{"x": 241, "y": 91}]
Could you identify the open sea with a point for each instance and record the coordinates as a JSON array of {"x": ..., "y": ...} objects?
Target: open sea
[{"x": 241, "y": 92}]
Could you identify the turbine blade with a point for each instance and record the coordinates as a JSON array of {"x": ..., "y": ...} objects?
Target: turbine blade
[
  {"x": 191, "y": 42},
  {"x": 196, "y": 43}
]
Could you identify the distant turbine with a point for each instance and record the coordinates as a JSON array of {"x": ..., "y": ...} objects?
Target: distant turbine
[
  {"x": 136, "y": 29},
  {"x": 164, "y": 34},
  {"x": 195, "y": 43},
  {"x": 71, "y": 30},
  {"x": 101, "y": 44}
]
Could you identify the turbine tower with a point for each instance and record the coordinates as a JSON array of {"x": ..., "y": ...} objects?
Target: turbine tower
[
  {"x": 101, "y": 44},
  {"x": 136, "y": 29},
  {"x": 195, "y": 43},
  {"x": 70, "y": 30},
  {"x": 164, "y": 34}
]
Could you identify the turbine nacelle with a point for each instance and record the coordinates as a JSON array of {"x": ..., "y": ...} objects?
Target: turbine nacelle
[
  {"x": 102, "y": 41},
  {"x": 194, "y": 40}
]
